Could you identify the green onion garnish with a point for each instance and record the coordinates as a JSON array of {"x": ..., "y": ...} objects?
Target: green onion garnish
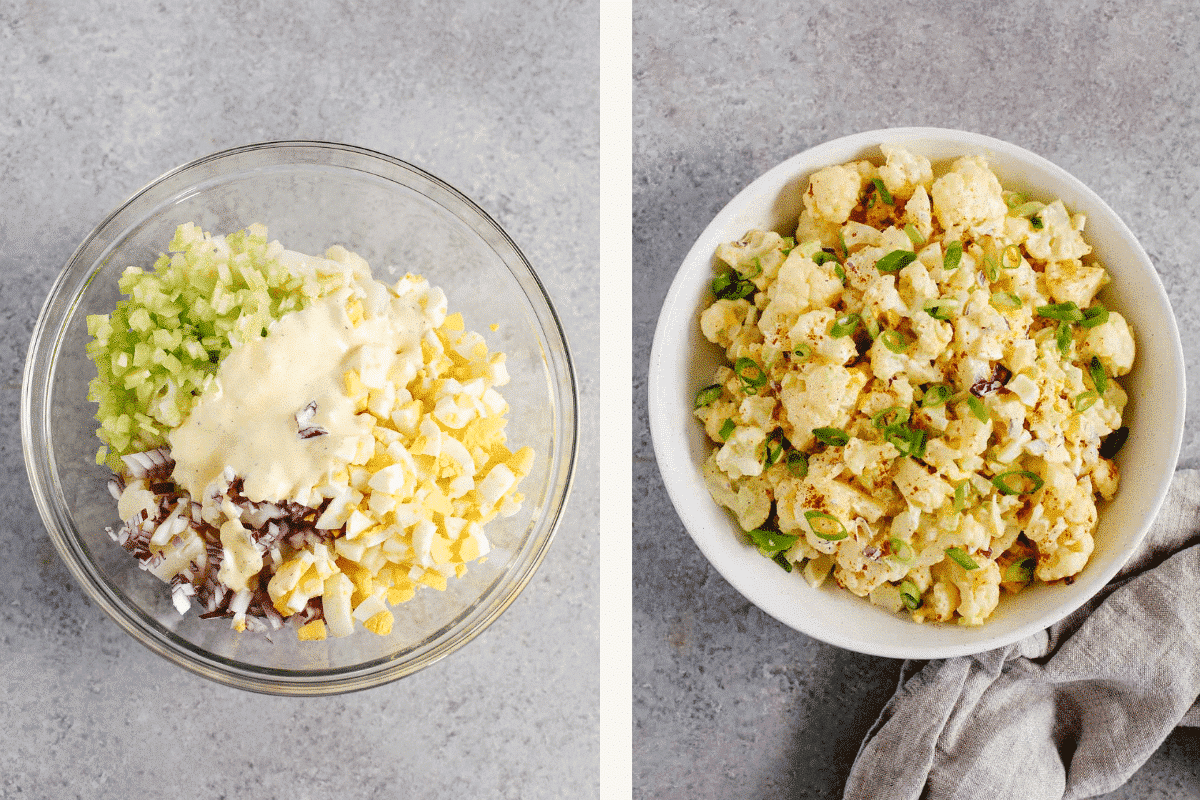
[
  {"x": 1099, "y": 379},
  {"x": 895, "y": 341},
  {"x": 895, "y": 261},
  {"x": 1020, "y": 571},
  {"x": 707, "y": 395},
  {"x": 936, "y": 395},
  {"x": 977, "y": 408},
  {"x": 803, "y": 351},
  {"x": 1011, "y": 257},
  {"x": 844, "y": 325},
  {"x": 1005, "y": 300},
  {"x": 1085, "y": 400},
  {"x": 732, "y": 286},
  {"x": 1062, "y": 337},
  {"x": 892, "y": 415},
  {"x": 1093, "y": 315},
  {"x": 835, "y": 437},
  {"x": 727, "y": 428},
  {"x": 1013, "y": 199},
  {"x": 1063, "y": 312},
  {"x": 953, "y": 256},
  {"x": 990, "y": 268},
  {"x": 782, "y": 560},
  {"x": 822, "y": 256},
  {"x": 756, "y": 271},
  {"x": 884, "y": 194},
  {"x": 845, "y": 250},
  {"x": 826, "y": 526},
  {"x": 1017, "y": 481},
  {"x": 773, "y": 446},
  {"x": 771, "y": 542},
  {"x": 901, "y": 550},
  {"x": 910, "y": 595},
  {"x": 1036, "y": 222},
  {"x": 797, "y": 463},
  {"x": 938, "y": 309},
  {"x": 960, "y": 495},
  {"x": 960, "y": 557},
  {"x": 752, "y": 376},
  {"x": 914, "y": 235},
  {"x": 872, "y": 326},
  {"x": 1028, "y": 210},
  {"x": 909, "y": 441}
]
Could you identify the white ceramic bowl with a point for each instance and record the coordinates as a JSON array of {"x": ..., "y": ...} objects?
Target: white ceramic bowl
[{"x": 682, "y": 361}]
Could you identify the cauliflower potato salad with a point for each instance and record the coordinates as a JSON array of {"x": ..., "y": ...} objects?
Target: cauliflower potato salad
[{"x": 920, "y": 396}]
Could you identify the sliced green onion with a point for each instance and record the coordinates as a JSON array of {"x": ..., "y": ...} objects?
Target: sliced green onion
[
  {"x": 909, "y": 441},
  {"x": 1020, "y": 571},
  {"x": 797, "y": 463},
  {"x": 727, "y": 429},
  {"x": 1093, "y": 315},
  {"x": 1085, "y": 400},
  {"x": 771, "y": 542},
  {"x": 1005, "y": 300},
  {"x": 901, "y": 550},
  {"x": 977, "y": 408},
  {"x": 757, "y": 263},
  {"x": 936, "y": 395},
  {"x": 1036, "y": 222},
  {"x": 782, "y": 560},
  {"x": 892, "y": 415},
  {"x": 990, "y": 268},
  {"x": 872, "y": 326},
  {"x": 840, "y": 271},
  {"x": 895, "y": 261},
  {"x": 1063, "y": 312},
  {"x": 707, "y": 395},
  {"x": 938, "y": 308},
  {"x": 789, "y": 244},
  {"x": 910, "y": 595},
  {"x": 823, "y": 256},
  {"x": 960, "y": 495},
  {"x": 844, "y": 325},
  {"x": 914, "y": 235},
  {"x": 826, "y": 526},
  {"x": 884, "y": 194},
  {"x": 803, "y": 351},
  {"x": 953, "y": 256},
  {"x": 960, "y": 557},
  {"x": 1062, "y": 337},
  {"x": 732, "y": 286},
  {"x": 845, "y": 250},
  {"x": 835, "y": 437},
  {"x": 1010, "y": 258},
  {"x": 751, "y": 374},
  {"x": 1028, "y": 210},
  {"x": 1017, "y": 481},
  {"x": 773, "y": 446},
  {"x": 895, "y": 341},
  {"x": 1099, "y": 379},
  {"x": 1013, "y": 199}
]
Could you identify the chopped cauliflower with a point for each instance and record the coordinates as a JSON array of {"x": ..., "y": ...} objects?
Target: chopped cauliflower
[{"x": 911, "y": 401}]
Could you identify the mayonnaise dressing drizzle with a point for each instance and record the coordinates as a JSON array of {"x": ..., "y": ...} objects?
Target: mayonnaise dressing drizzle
[{"x": 248, "y": 419}]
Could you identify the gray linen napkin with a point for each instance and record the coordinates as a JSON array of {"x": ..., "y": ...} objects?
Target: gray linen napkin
[{"x": 1069, "y": 712}]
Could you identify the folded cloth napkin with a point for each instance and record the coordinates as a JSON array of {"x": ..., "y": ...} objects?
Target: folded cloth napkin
[{"x": 1069, "y": 712}]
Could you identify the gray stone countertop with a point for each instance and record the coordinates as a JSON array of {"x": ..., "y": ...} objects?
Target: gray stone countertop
[
  {"x": 727, "y": 701},
  {"x": 102, "y": 96}
]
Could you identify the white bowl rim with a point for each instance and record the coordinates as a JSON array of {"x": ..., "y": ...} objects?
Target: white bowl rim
[{"x": 672, "y": 425}]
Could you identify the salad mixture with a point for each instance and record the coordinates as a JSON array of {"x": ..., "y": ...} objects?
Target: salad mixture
[
  {"x": 293, "y": 440},
  {"x": 919, "y": 398}
]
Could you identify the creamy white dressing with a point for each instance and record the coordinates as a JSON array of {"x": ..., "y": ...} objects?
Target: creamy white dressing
[{"x": 251, "y": 418}]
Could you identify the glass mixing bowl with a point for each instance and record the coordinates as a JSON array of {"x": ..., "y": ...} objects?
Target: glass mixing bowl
[{"x": 310, "y": 195}]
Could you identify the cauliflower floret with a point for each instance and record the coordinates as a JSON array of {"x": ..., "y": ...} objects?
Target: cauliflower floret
[
  {"x": 978, "y": 590},
  {"x": 758, "y": 253},
  {"x": 1072, "y": 281},
  {"x": 742, "y": 451},
  {"x": 814, "y": 329},
  {"x": 920, "y": 488},
  {"x": 833, "y": 193},
  {"x": 750, "y": 499},
  {"x": 1060, "y": 238},
  {"x": 818, "y": 396},
  {"x": 969, "y": 198},
  {"x": 919, "y": 212},
  {"x": 723, "y": 320},
  {"x": 904, "y": 171},
  {"x": 1112, "y": 343}
]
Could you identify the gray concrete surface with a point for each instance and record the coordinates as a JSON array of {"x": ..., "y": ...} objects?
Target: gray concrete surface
[
  {"x": 101, "y": 96},
  {"x": 728, "y": 702}
]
